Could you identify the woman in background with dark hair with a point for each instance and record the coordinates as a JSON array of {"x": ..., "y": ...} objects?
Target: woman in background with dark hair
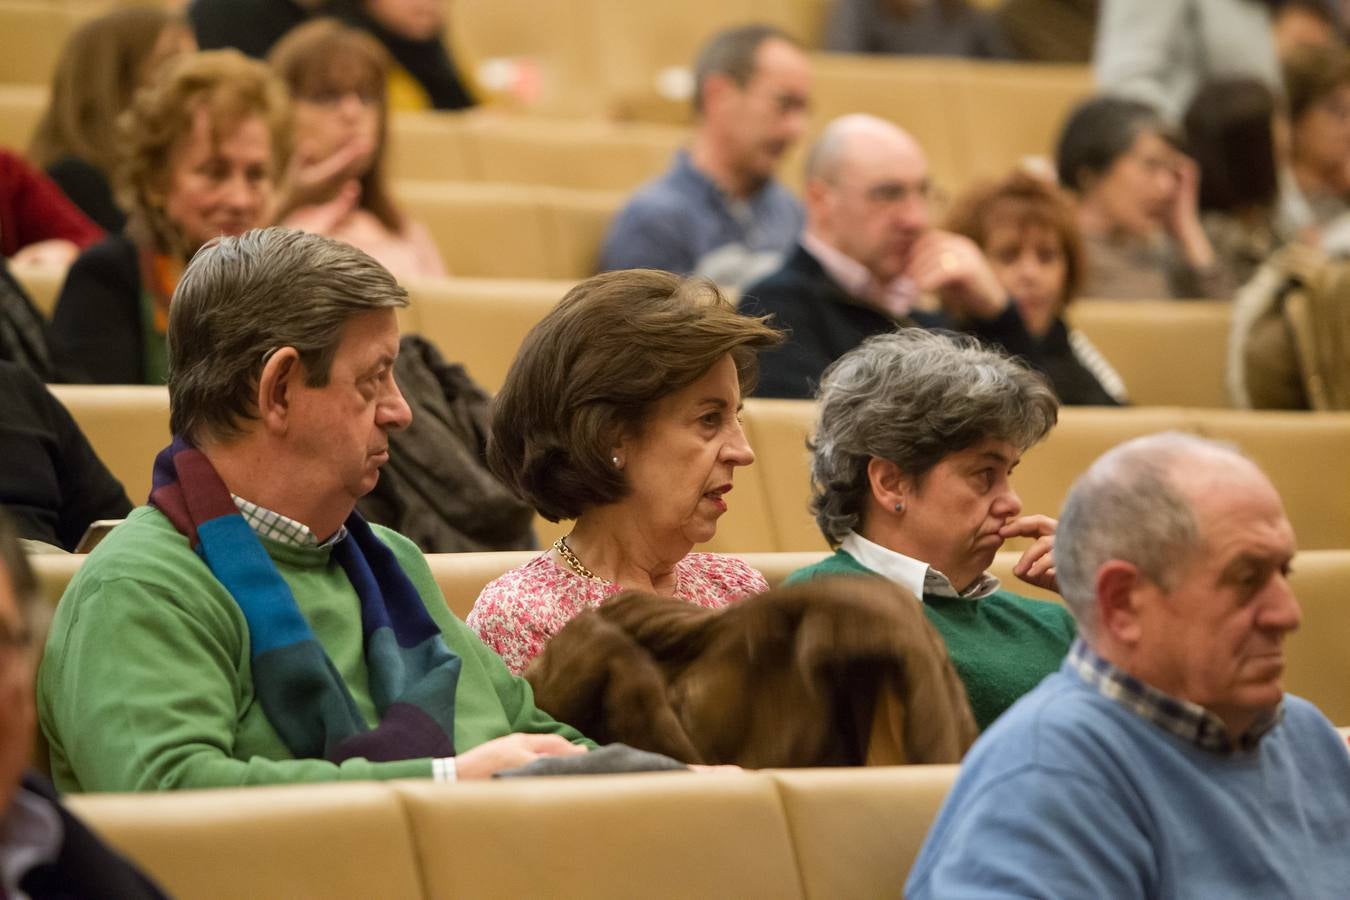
[
  {"x": 1230, "y": 132},
  {"x": 1137, "y": 204},
  {"x": 1317, "y": 84}
]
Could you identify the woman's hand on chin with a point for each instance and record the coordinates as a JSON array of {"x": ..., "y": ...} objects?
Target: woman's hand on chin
[{"x": 1037, "y": 565}]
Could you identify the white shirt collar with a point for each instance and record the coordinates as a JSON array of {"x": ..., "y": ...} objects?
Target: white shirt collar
[
  {"x": 917, "y": 577},
  {"x": 30, "y": 836}
]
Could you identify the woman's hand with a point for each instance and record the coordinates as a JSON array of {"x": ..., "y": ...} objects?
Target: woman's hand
[
  {"x": 323, "y": 218},
  {"x": 1037, "y": 565},
  {"x": 312, "y": 180},
  {"x": 1183, "y": 215}
]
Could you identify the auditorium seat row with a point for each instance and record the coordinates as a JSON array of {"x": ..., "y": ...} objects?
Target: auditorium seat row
[
  {"x": 818, "y": 833},
  {"x": 1318, "y": 664},
  {"x": 1169, "y": 353},
  {"x": 1304, "y": 454}
]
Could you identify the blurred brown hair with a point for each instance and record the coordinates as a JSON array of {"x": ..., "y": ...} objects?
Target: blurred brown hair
[
  {"x": 325, "y": 57},
  {"x": 97, "y": 74},
  {"x": 1022, "y": 200},
  {"x": 231, "y": 88}
]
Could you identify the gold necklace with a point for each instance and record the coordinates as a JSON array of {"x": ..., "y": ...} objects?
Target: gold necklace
[{"x": 570, "y": 558}]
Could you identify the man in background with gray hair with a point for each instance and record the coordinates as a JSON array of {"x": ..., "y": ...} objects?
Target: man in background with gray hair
[
  {"x": 1164, "y": 759},
  {"x": 718, "y": 211},
  {"x": 870, "y": 260}
]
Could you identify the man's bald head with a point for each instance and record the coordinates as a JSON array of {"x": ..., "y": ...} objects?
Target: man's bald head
[
  {"x": 867, "y": 192},
  {"x": 846, "y": 137}
]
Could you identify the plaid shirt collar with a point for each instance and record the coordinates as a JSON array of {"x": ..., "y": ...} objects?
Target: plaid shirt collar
[
  {"x": 276, "y": 527},
  {"x": 1188, "y": 721},
  {"x": 919, "y": 578}
]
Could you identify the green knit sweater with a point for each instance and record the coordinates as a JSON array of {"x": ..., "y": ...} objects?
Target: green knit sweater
[
  {"x": 1002, "y": 645},
  {"x": 146, "y": 684}
]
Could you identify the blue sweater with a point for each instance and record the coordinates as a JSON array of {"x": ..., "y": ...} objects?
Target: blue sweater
[
  {"x": 1071, "y": 795},
  {"x": 682, "y": 223}
]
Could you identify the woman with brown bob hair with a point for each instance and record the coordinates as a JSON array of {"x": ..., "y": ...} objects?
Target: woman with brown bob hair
[
  {"x": 199, "y": 152},
  {"x": 621, "y": 411},
  {"x": 1028, "y": 230},
  {"x": 337, "y": 78},
  {"x": 102, "y": 65}
]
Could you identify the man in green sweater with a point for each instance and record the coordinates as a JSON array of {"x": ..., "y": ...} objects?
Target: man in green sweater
[
  {"x": 246, "y": 626},
  {"x": 916, "y": 440}
]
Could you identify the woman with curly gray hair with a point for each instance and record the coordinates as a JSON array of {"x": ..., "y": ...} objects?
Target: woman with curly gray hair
[{"x": 917, "y": 438}]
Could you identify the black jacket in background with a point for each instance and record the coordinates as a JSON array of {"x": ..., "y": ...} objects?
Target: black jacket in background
[
  {"x": 85, "y": 866},
  {"x": 51, "y": 481},
  {"x": 823, "y": 323},
  {"x": 251, "y": 26}
]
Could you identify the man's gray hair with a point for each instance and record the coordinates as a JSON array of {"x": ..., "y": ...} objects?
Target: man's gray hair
[
  {"x": 242, "y": 299},
  {"x": 914, "y": 397},
  {"x": 732, "y": 53},
  {"x": 1128, "y": 506}
]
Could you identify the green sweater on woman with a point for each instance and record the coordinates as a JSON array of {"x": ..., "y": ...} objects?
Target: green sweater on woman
[
  {"x": 1001, "y": 645},
  {"x": 146, "y": 683}
]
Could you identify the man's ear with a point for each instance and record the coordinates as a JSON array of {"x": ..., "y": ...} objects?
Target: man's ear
[
  {"x": 281, "y": 375},
  {"x": 717, "y": 90},
  {"x": 890, "y": 487},
  {"x": 1120, "y": 589}
]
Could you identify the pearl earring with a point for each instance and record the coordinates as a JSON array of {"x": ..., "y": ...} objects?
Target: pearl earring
[{"x": 615, "y": 460}]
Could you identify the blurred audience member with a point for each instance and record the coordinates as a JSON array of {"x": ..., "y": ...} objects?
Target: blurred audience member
[
  {"x": 46, "y": 851},
  {"x": 1028, "y": 231},
  {"x": 23, "y": 331},
  {"x": 718, "y": 211},
  {"x": 336, "y": 76},
  {"x": 52, "y": 481},
  {"x": 424, "y": 76},
  {"x": 250, "y": 26},
  {"x": 1304, "y": 23},
  {"x": 1138, "y": 204},
  {"x": 1230, "y": 132},
  {"x": 1317, "y": 81},
  {"x": 1060, "y": 31},
  {"x": 39, "y": 226},
  {"x": 102, "y": 65},
  {"x": 622, "y": 411},
  {"x": 1160, "y": 51},
  {"x": 870, "y": 260},
  {"x": 199, "y": 151},
  {"x": 920, "y": 27}
]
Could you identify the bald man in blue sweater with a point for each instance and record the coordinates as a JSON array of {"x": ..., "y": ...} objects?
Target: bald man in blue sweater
[{"x": 1163, "y": 759}]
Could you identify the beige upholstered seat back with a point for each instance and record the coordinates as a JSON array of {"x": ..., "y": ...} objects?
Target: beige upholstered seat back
[
  {"x": 126, "y": 425},
  {"x": 653, "y": 835},
  {"x": 321, "y": 841}
]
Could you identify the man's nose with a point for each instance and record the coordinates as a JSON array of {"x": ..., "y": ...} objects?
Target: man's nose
[
  {"x": 394, "y": 412},
  {"x": 1281, "y": 612}
]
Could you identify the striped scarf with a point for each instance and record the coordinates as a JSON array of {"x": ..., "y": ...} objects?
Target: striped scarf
[{"x": 413, "y": 674}]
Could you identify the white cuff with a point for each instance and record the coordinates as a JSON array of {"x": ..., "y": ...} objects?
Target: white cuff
[{"x": 443, "y": 769}]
